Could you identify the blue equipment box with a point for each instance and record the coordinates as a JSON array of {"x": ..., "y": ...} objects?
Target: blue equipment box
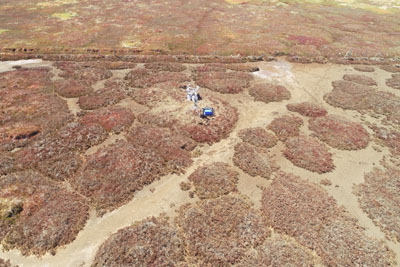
[{"x": 208, "y": 112}]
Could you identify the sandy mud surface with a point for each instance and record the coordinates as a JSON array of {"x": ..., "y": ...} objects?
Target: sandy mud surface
[{"x": 277, "y": 138}]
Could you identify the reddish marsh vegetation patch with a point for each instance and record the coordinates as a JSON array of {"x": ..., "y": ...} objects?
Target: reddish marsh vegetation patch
[
  {"x": 4, "y": 263},
  {"x": 165, "y": 66},
  {"x": 218, "y": 232},
  {"x": 142, "y": 78},
  {"x": 253, "y": 161},
  {"x": 214, "y": 180},
  {"x": 151, "y": 242},
  {"x": 307, "y": 109},
  {"x": 174, "y": 148},
  {"x": 112, "y": 65},
  {"x": 219, "y": 67},
  {"x": 348, "y": 95},
  {"x": 56, "y": 154},
  {"x": 339, "y": 132},
  {"x": 170, "y": 110},
  {"x": 241, "y": 67},
  {"x": 268, "y": 92},
  {"x": 29, "y": 107},
  {"x": 258, "y": 137},
  {"x": 112, "y": 93},
  {"x": 278, "y": 250},
  {"x": 379, "y": 197},
  {"x": 389, "y": 138},
  {"x": 111, "y": 176},
  {"x": 37, "y": 214},
  {"x": 72, "y": 88},
  {"x": 394, "y": 82},
  {"x": 390, "y": 68},
  {"x": 113, "y": 119},
  {"x": 305, "y": 211},
  {"x": 308, "y": 153},
  {"x": 286, "y": 126},
  {"x": 364, "y": 68},
  {"x": 26, "y": 79},
  {"x": 224, "y": 82},
  {"x": 360, "y": 79},
  {"x": 88, "y": 75}
]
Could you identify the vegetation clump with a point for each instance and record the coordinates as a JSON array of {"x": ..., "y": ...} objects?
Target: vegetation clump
[
  {"x": 258, "y": 137},
  {"x": 165, "y": 66},
  {"x": 173, "y": 147},
  {"x": 390, "y": 68},
  {"x": 38, "y": 215},
  {"x": 379, "y": 197},
  {"x": 88, "y": 75},
  {"x": 252, "y": 161},
  {"x": 29, "y": 107},
  {"x": 57, "y": 154},
  {"x": 278, "y": 250},
  {"x": 150, "y": 242},
  {"x": 363, "y": 68},
  {"x": 389, "y": 138},
  {"x": 339, "y": 132},
  {"x": 308, "y": 153},
  {"x": 112, "y": 93},
  {"x": 142, "y": 78},
  {"x": 111, "y": 175},
  {"x": 112, "y": 119},
  {"x": 305, "y": 211},
  {"x": 360, "y": 79},
  {"x": 268, "y": 92},
  {"x": 72, "y": 88},
  {"x": 394, "y": 81},
  {"x": 349, "y": 95},
  {"x": 219, "y": 231},
  {"x": 224, "y": 82},
  {"x": 214, "y": 180},
  {"x": 286, "y": 126},
  {"x": 307, "y": 109}
]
